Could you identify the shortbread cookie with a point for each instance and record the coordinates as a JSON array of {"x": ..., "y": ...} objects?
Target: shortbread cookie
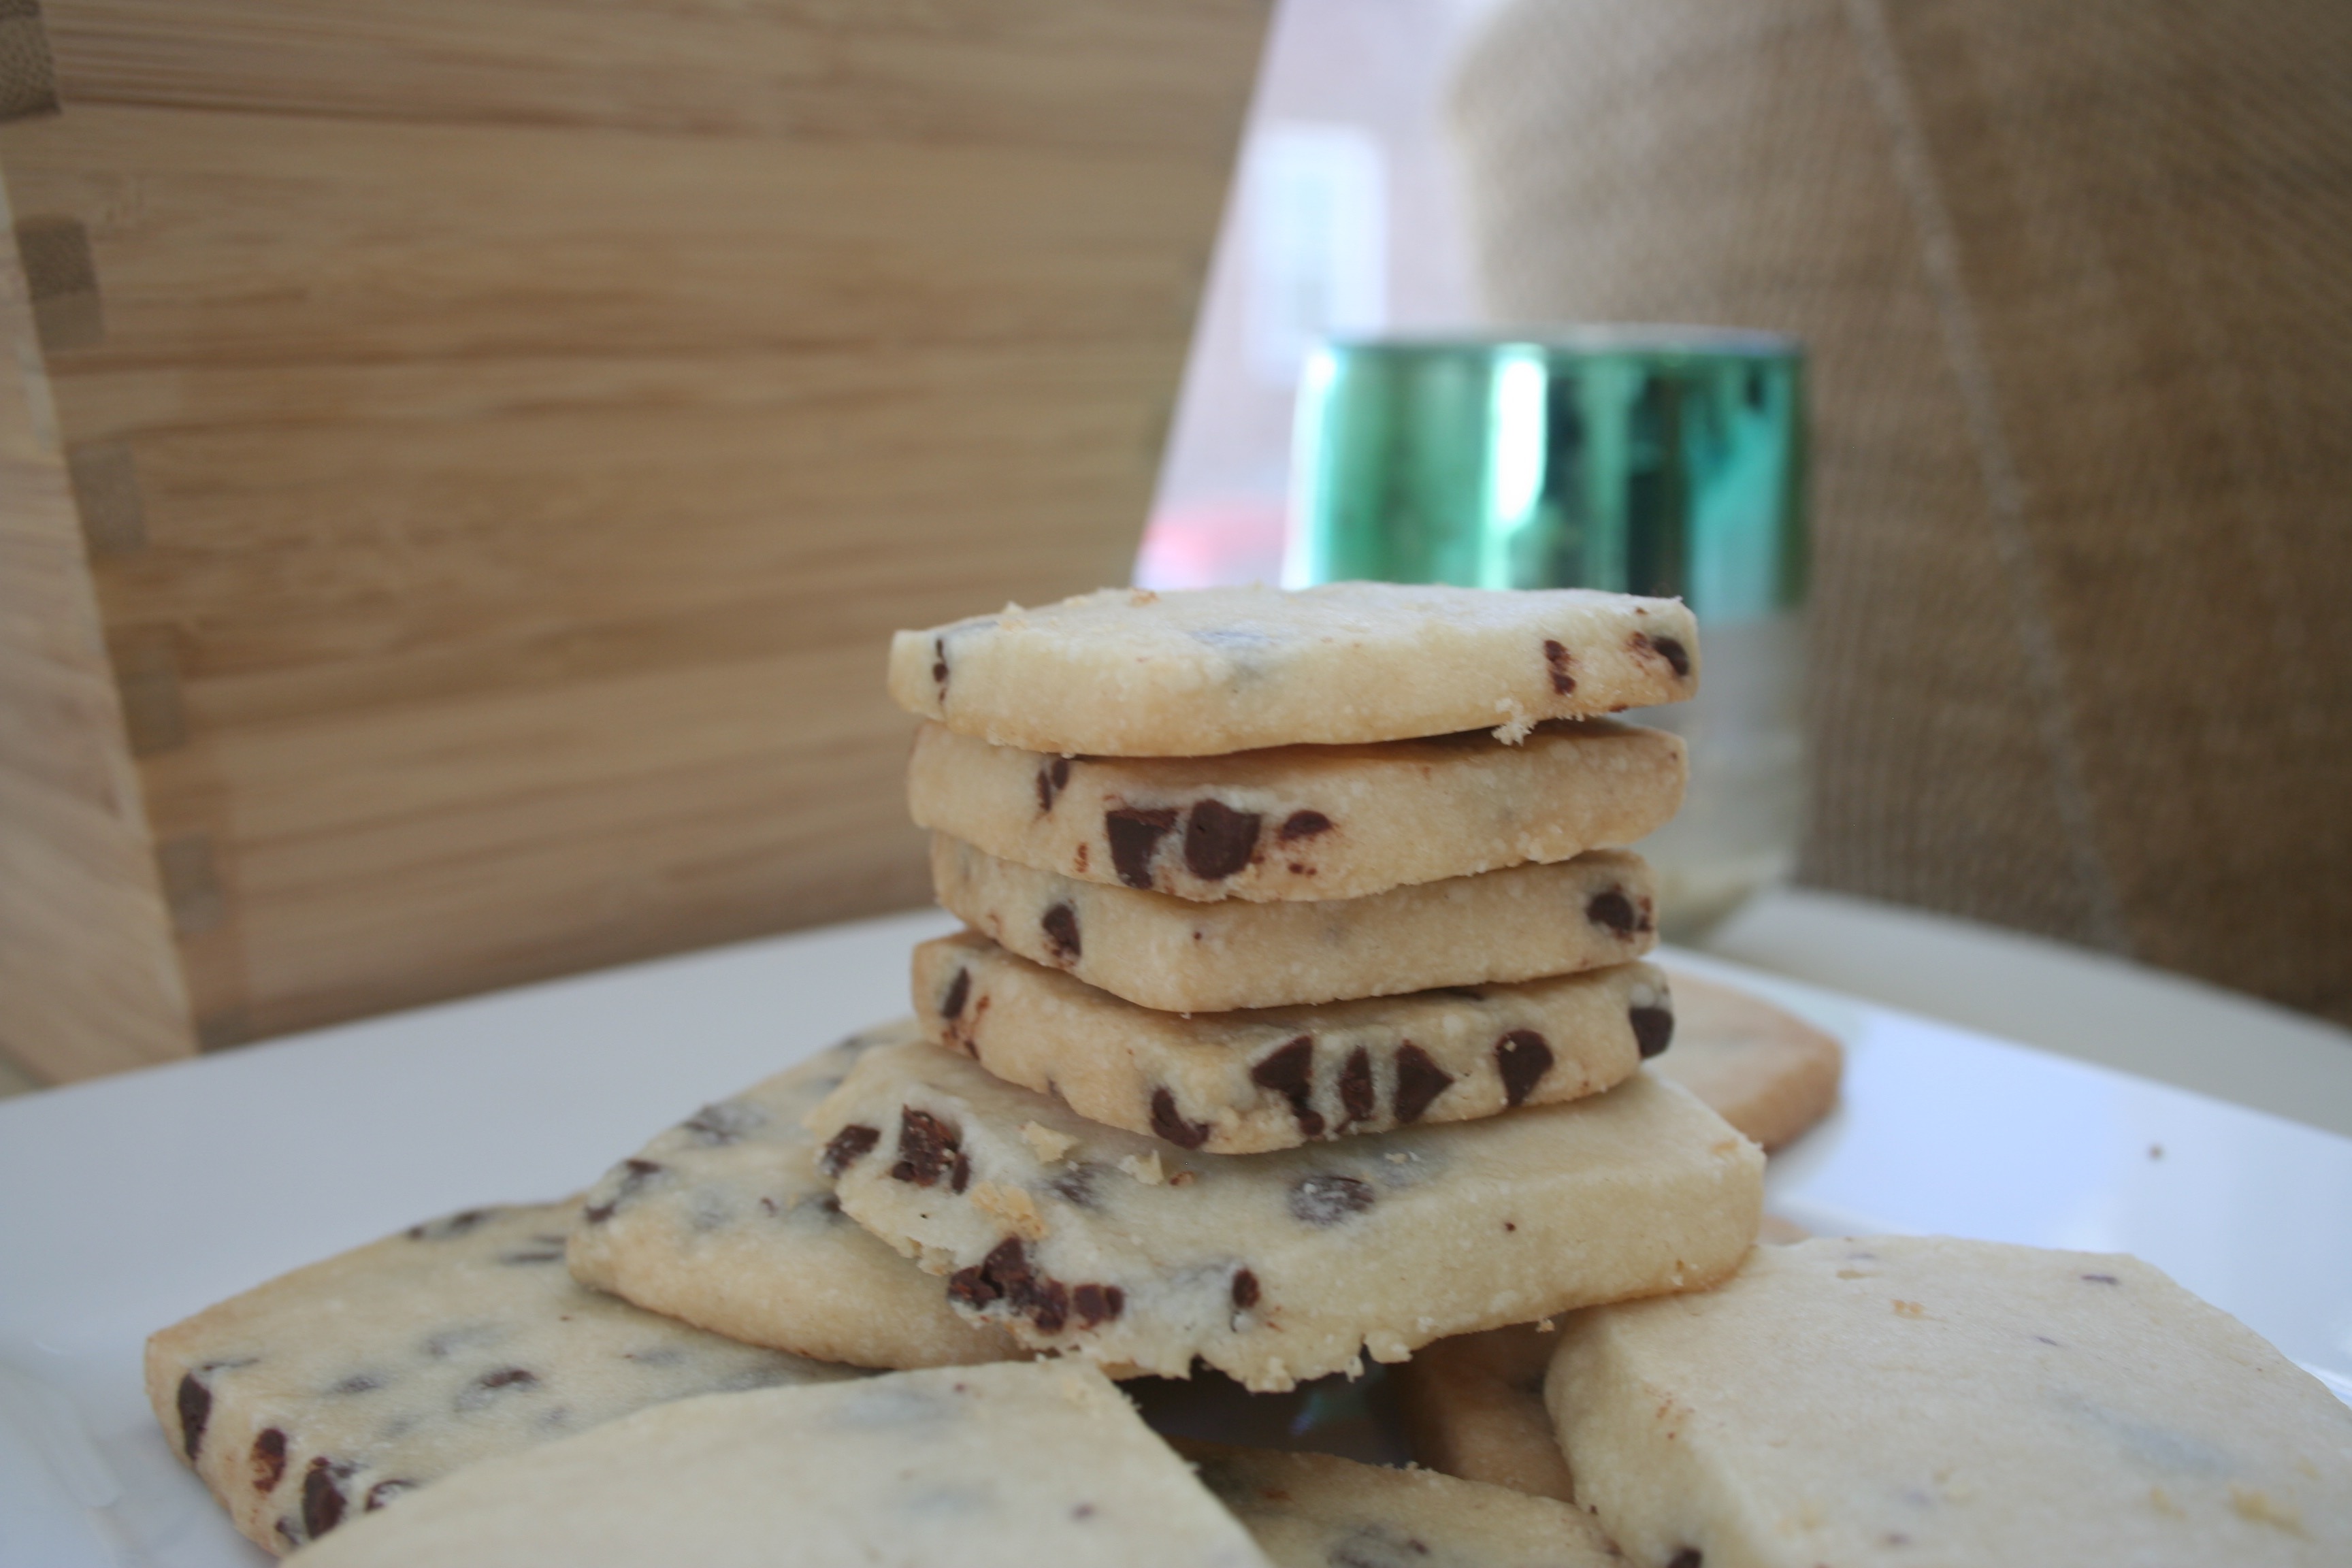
[
  {"x": 1768, "y": 1073},
  {"x": 328, "y": 1392},
  {"x": 979, "y": 1467},
  {"x": 1280, "y": 1266},
  {"x": 1923, "y": 1400},
  {"x": 1181, "y": 956},
  {"x": 1241, "y": 1083},
  {"x": 1301, "y": 822},
  {"x": 1472, "y": 1406},
  {"x": 1315, "y": 1511},
  {"x": 724, "y": 1221},
  {"x": 1129, "y": 673}
]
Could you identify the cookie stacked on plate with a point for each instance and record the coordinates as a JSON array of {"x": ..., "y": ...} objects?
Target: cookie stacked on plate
[{"x": 1301, "y": 1009}]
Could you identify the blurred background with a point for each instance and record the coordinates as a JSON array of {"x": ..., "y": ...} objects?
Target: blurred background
[{"x": 467, "y": 456}]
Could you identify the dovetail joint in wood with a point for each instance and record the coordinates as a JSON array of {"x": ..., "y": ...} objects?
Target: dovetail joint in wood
[
  {"x": 192, "y": 887},
  {"x": 106, "y": 493},
  {"x": 62, "y": 278},
  {"x": 28, "y": 77}
]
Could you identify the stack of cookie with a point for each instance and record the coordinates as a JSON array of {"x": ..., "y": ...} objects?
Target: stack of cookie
[{"x": 1301, "y": 1008}]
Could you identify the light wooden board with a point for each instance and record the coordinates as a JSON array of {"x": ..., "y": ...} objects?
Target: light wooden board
[{"x": 506, "y": 433}]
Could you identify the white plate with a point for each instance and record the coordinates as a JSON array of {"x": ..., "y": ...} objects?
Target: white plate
[{"x": 134, "y": 1202}]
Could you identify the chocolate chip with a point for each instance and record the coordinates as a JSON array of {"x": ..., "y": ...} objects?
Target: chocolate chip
[
  {"x": 958, "y": 992},
  {"x": 848, "y": 1146},
  {"x": 928, "y": 1149},
  {"x": 358, "y": 1383},
  {"x": 1098, "y": 1304},
  {"x": 1169, "y": 1124},
  {"x": 1218, "y": 840},
  {"x": 1654, "y": 1029},
  {"x": 322, "y": 1496},
  {"x": 1052, "y": 779},
  {"x": 1667, "y": 648},
  {"x": 1558, "y": 659},
  {"x": 1075, "y": 1184},
  {"x": 714, "y": 1126},
  {"x": 530, "y": 1255},
  {"x": 1288, "y": 1070},
  {"x": 507, "y": 1377},
  {"x": 268, "y": 1458},
  {"x": 1688, "y": 1557},
  {"x": 1004, "y": 1275},
  {"x": 1061, "y": 926},
  {"x": 1419, "y": 1081},
  {"x": 384, "y": 1492},
  {"x": 1328, "y": 1200},
  {"x": 1358, "y": 1095},
  {"x": 1050, "y": 1308},
  {"x": 635, "y": 1174},
  {"x": 1614, "y": 910},
  {"x": 449, "y": 1225},
  {"x": 1303, "y": 824},
  {"x": 2099, "y": 1279},
  {"x": 1245, "y": 1288},
  {"x": 939, "y": 665},
  {"x": 1524, "y": 1057},
  {"x": 1135, "y": 834},
  {"x": 195, "y": 1409}
]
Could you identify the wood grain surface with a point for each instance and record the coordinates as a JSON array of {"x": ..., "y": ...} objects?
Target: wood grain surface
[{"x": 505, "y": 432}]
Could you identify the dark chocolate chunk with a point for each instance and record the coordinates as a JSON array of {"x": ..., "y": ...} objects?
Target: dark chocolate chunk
[
  {"x": 723, "y": 1122},
  {"x": 1615, "y": 911},
  {"x": 2100, "y": 1280},
  {"x": 1328, "y": 1200},
  {"x": 322, "y": 1496},
  {"x": 1303, "y": 824},
  {"x": 1245, "y": 1288},
  {"x": 1667, "y": 648},
  {"x": 1135, "y": 834},
  {"x": 1004, "y": 1275},
  {"x": 848, "y": 1146},
  {"x": 1557, "y": 657},
  {"x": 1654, "y": 1029},
  {"x": 1419, "y": 1081},
  {"x": 1075, "y": 1184},
  {"x": 195, "y": 1409},
  {"x": 1218, "y": 840},
  {"x": 449, "y": 1225},
  {"x": 487, "y": 1388},
  {"x": 268, "y": 1458},
  {"x": 958, "y": 992},
  {"x": 358, "y": 1383},
  {"x": 384, "y": 1492},
  {"x": 939, "y": 665},
  {"x": 1061, "y": 926},
  {"x": 1052, "y": 779},
  {"x": 1096, "y": 1303},
  {"x": 927, "y": 1149},
  {"x": 635, "y": 1174},
  {"x": 1049, "y": 1307},
  {"x": 1688, "y": 1557},
  {"x": 1359, "y": 1096},
  {"x": 1524, "y": 1057},
  {"x": 1288, "y": 1070},
  {"x": 1168, "y": 1123}
]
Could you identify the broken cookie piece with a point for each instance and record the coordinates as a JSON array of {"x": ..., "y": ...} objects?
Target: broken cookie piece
[
  {"x": 1279, "y": 1267},
  {"x": 1246, "y": 1082}
]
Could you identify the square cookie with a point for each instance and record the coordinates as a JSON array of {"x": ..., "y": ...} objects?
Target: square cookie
[
  {"x": 1130, "y": 673},
  {"x": 1181, "y": 956},
  {"x": 724, "y": 1222},
  {"x": 1276, "y": 1268},
  {"x": 331, "y": 1391},
  {"x": 1247, "y": 1082},
  {"x": 990, "y": 1467},
  {"x": 1911, "y": 1400},
  {"x": 1301, "y": 822}
]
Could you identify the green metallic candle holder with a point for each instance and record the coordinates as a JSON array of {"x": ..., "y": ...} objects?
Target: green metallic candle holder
[{"x": 1659, "y": 460}]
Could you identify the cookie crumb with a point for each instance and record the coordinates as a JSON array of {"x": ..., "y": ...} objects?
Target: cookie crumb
[
  {"x": 1049, "y": 1145},
  {"x": 1144, "y": 1168}
]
